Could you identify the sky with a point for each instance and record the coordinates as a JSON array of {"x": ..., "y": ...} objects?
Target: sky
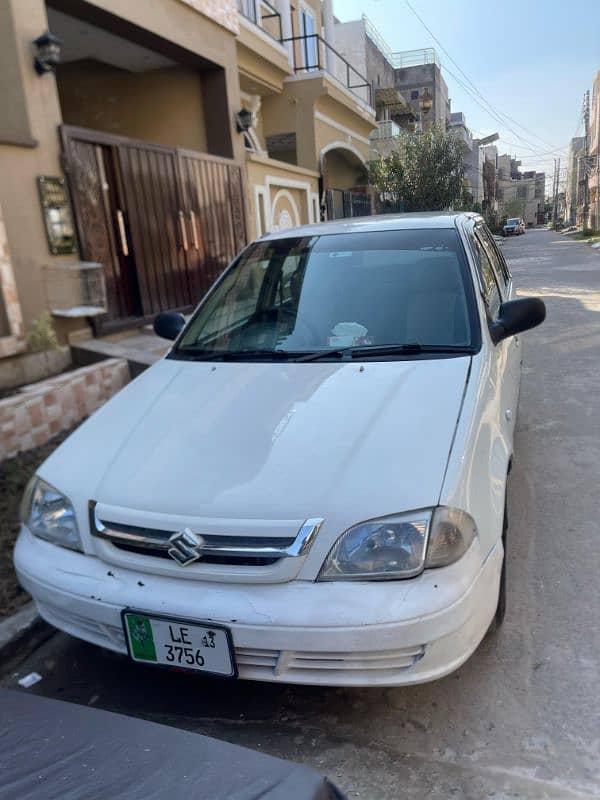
[{"x": 531, "y": 61}]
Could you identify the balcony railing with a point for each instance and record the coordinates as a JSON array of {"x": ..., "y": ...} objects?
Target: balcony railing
[
  {"x": 312, "y": 53},
  {"x": 386, "y": 129},
  {"x": 262, "y": 14}
]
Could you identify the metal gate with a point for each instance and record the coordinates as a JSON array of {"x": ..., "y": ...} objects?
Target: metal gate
[
  {"x": 164, "y": 222},
  {"x": 344, "y": 203}
]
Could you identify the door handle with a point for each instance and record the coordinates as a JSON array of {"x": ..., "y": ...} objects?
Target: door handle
[
  {"x": 194, "y": 230},
  {"x": 122, "y": 232},
  {"x": 182, "y": 230}
]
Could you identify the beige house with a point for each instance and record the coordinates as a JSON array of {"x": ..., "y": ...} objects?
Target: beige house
[
  {"x": 308, "y": 144},
  {"x": 121, "y": 164},
  {"x": 131, "y": 172}
]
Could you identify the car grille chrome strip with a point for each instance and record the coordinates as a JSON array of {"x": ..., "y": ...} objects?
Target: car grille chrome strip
[{"x": 232, "y": 547}]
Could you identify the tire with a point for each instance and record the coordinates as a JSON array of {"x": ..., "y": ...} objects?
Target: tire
[{"x": 500, "y": 612}]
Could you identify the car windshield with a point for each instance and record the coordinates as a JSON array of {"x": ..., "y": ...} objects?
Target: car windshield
[
  {"x": 302, "y": 295},
  {"x": 512, "y": 221}
]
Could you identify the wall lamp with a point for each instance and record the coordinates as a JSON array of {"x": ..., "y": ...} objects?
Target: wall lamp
[
  {"x": 243, "y": 120},
  {"x": 47, "y": 53}
]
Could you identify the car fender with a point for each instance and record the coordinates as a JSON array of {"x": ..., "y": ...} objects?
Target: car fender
[{"x": 479, "y": 460}]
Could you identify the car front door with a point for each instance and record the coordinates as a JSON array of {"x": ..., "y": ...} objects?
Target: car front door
[
  {"x": 513, "y": 343},
  {"x": 498, "y": 282}
]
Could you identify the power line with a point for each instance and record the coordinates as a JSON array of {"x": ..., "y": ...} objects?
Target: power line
[
  {"x": 516, "y": 144},
  {"x": 528, "y": 145},
  {"x": 498, "y": 115}
]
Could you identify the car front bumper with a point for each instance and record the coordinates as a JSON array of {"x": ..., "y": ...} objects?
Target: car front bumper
[{"x": 387, "y": 633}]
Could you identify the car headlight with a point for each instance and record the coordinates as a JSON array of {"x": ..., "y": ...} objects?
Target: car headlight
[
  {"x": 49, "y": 514},
  {"x": 402, "y": 546}
]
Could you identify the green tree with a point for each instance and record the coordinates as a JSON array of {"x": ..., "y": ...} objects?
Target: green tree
[
  {"x": 514, "y": 208},
  {"x": 424, "y": 172}
]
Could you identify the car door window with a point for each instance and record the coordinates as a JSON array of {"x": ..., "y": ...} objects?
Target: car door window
[
  {"x": 497, "y": 260},
  {"x": 491, "y": 290}
]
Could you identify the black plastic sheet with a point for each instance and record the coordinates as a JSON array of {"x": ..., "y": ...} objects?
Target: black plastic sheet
[{"x": 50, "y": 749}]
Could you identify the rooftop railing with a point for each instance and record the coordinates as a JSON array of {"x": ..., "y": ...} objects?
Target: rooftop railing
[
  {"x": 313, "y": 53},
  {"x": 415, "y": 58},
  {"x": 400, "y": 59}
]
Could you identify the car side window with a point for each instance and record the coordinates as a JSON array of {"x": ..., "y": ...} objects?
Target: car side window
[
  {"x": 497, "y": 260},
  {"x": 491, "y": 290}
]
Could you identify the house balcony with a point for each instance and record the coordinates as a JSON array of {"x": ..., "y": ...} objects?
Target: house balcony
[
  {"x": 386, "y": 129},
  {"x": 315, "y": 60},
  {"x": 263, "y": 14},
  {"x": 263, "y": 61}
]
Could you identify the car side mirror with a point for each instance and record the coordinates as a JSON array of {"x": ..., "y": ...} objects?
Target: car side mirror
[
  {"x": 168, "y": 324},
  {"x": 516, "y": 316}
]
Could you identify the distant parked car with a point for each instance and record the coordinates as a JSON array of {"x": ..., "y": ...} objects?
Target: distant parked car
[
  {"x": 311, "y": 486},
  {"x": 513, "y": 227}
]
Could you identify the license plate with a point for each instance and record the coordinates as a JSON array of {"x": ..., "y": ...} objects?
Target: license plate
[{"x": 179, "y": 643}]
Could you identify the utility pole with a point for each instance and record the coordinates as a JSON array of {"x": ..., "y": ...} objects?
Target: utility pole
[
  {"x": 554, "y": 195},
  {"x": 557, "y": 185},
  {"x": 586, "y": 152},
  {"x": 597, "y": 142}
]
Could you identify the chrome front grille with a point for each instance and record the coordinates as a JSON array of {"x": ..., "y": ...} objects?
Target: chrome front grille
[{"x": 252, "y": 551}]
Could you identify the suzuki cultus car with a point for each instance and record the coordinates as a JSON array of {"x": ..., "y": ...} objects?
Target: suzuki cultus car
[{"x": 311, "y": 486}]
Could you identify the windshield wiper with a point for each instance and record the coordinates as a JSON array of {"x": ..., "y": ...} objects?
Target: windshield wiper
[
  {"x": 370, "y": 350},
  {"x": 194, "y": 354}
]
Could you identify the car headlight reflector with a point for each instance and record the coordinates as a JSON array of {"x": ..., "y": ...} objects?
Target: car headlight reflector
[
  {"x": 50, "y": 515},
  {"x": 381, "y": 549}
]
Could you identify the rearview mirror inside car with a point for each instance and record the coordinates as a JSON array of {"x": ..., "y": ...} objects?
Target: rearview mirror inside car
[
  {"x": 169, "y": 324},
  {"x": 516, "y": 316}
]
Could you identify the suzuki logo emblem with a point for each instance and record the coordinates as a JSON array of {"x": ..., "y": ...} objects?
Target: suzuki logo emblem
[{"x": 186, "y": 547}]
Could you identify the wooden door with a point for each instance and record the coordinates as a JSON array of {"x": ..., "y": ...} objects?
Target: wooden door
[
  {"x": 152, "y": 201},
  {"x": 96, "y": 195},
  {"x": 164, "y": 222},
  {"x": 213, "y": 195}
]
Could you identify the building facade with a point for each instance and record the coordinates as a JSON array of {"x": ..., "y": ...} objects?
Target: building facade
[
  {"x": 122, "y": 188},
  {"x": 473, "y": 159},
  {"x": 574, "y": 180},
  {"x": 594, "y": 157},
  {"x": 418, "y": 74},
  {"x": 312, "y": 114},
  {"x": 520, "y": 194},
  {"x": 165, "y": 136}
]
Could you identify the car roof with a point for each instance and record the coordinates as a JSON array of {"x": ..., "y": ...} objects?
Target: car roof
[{"x": 382, "y": 222}]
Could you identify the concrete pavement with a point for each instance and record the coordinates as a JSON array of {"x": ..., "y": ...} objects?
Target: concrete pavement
[{"x": 521, "y": 719}]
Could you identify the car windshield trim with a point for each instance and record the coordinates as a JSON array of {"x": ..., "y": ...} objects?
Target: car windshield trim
[
  {"x": 296, "y": 298},
  {"x": 353, "y": 352}
]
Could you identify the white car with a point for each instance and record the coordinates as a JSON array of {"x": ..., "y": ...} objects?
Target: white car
[
  {"x": 514, "y": 227},
  {"x": 311, "y": 486}
]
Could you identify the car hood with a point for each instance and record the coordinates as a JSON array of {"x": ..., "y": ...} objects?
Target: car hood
[{"x": 269, "y": 440}]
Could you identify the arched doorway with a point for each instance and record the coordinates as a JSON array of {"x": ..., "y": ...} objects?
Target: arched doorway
[{"x": 345, "y": 182}]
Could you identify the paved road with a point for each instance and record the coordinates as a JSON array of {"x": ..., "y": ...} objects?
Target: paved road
[{"x": 519, "y": 720}]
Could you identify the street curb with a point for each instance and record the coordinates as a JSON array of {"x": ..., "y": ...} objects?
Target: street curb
[{"x": 21, "y": 633}]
